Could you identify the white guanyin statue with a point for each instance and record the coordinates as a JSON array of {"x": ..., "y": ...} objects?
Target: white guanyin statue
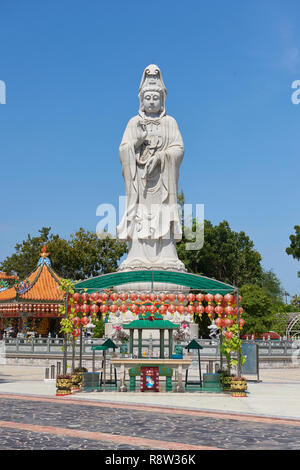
[{"x": 151, "y": 152}]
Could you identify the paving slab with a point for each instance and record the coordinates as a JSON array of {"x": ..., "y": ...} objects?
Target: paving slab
[{"x": 277, "y": 395}]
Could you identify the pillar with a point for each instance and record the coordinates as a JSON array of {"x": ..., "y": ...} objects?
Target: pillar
[
  {"x": 162, "y": 344},
  {"x": 170, "y": 343},
  {"x": 140, "y": 332},
  {"x": 131, "y": 342}
]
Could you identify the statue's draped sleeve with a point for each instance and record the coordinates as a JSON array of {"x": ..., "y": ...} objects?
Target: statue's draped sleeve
[{"x": 128, "y": 161}]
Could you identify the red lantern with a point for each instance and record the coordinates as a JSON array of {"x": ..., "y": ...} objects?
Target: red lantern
[
  {"x": 85, "y": 320},
  {"x": 229, "y": 334},
  {"x": 228, "y": 310},
  {"x": 181, "y": 309},
  {"x": 94, "y": 309},
  {"x": 85, "y": 297},
  {"x": 162, "y": 297},
  {"x": 85, "y": 308},
  {"x": 114, "y": 297},
  {"x": 123, "y": 308},
  {"x": 76, "y": 321},
  {"x": 219, "y": 310},
  {"x": 152, "y": 297},
  {"x": 134, "y": 309},
  {"x": 133, "y": 297},
  {"x": 77, "y": 308},
  {"x": 218, "y": 298},
  {"x": 76, "y": 332},
  {"x": 143, "y": 309},
  {"x": 143, "y": 297},
  {"x": 76, "y": 297},
  {"x": 190, "y": 297},
  {"x": 242, "y": 322},
  {"x": 95, "y": 296},
  {"x": 191, "y": 309},
  {"x": 180, "y": 298},
  {"x": 228, "y": 322},
  {"x": 123, "y": 297},
  {"x": 171, "y": 308},
  {"x": 171, "y": 297},
  {"x": 228, "y": 298},
  {"x": 152, "y": 309},
  {"x": 210, "y": 309},
  {"x": 113, "y": 308},
  {"x": 199, "y": 309},
  {"x": 104, "y": 297},
  {"x": 104, "y": 308},
  {"x": 219, "y": 322},
  {"x": 200, "y": 297},
  {"x": 209, "y": 298},
  {"x": 163, "y": 309}
]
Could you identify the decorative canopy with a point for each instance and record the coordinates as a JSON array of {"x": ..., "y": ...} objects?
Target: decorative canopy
[
  {"x": 150, "y": 325},
  {"x": 194, "y": 281}
]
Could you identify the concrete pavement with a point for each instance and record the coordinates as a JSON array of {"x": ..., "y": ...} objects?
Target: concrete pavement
[{"x": 277, "y": 395}]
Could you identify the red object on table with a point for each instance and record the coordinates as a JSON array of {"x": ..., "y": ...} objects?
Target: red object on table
[{"x": 149, "y": 379}]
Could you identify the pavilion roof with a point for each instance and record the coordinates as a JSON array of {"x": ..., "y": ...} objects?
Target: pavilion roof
[
  {"x": 151, "y": 325},
  {"x": 41, "y": 285}
]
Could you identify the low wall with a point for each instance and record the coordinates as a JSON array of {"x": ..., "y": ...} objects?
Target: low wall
[{"x": 48, "y": 351}]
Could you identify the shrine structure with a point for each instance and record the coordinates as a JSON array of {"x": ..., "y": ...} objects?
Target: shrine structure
[{"x": 32, "y": 305}]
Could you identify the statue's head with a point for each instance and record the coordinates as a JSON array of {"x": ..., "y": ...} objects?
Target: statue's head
[{"x": 152, "y": 92}]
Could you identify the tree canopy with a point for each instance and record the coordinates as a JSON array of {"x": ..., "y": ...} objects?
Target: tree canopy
[
  {"x": 294, "y": 248},
  {"x": 83, "y": 255},
  {"x": 258, "y": 313},
  {"x": 226, "y": 255}
]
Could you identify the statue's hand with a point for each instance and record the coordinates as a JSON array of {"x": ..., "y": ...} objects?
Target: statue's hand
[
  {"x": 141, "y": 134},
  {"x": 151, "y": 164}
]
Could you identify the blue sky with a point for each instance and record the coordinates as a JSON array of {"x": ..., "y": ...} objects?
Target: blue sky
[{"x": 72, "y": 70}]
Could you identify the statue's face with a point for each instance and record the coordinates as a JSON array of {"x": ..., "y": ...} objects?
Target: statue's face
[{"x": 152, "y": 102}]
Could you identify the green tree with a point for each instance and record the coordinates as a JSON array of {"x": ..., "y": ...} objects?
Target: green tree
[
  {"x": 259, "y": 314},
  {"x": 83, "y": 255},
  {"x": 99, "y": 330},
  {"x": 272, "y": 285},
  {"x": 226, "y": 255},
  {"x": 294, "y": 248}
]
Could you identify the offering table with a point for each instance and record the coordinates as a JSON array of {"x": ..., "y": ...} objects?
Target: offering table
[{"x": 127, "y": 363}]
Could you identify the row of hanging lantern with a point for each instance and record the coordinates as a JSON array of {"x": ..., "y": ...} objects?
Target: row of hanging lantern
[
  {"x": 216, "y": 305},
  {"x": 29, "y": 308}
]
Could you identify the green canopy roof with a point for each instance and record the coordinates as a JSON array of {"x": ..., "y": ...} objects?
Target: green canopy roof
[
  {"x": 152, "y": 325},
  {"x": 194, "y": 281},
  {"x": 193, "y": 345},
  {"x": 99, "y": 347},
  {"x": 106, "y": 345}
]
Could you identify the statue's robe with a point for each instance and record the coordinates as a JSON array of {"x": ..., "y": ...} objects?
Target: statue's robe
[{"x": 151, "y": 222}]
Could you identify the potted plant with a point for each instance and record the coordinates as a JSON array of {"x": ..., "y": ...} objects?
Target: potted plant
[
  {"x": 238, "y": 387},
  {"x": 77, "y": 377},
  {"x": 63, "y": 385},
  {"x": 225, "y": 380}
]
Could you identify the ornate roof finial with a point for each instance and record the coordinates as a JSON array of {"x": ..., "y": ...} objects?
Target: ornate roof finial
[
  {"x": 44, "y": 257},
  {"x": 44, "y": 253}
]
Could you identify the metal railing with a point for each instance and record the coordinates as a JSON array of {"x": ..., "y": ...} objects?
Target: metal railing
[{"x": 54, "y": 346}]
